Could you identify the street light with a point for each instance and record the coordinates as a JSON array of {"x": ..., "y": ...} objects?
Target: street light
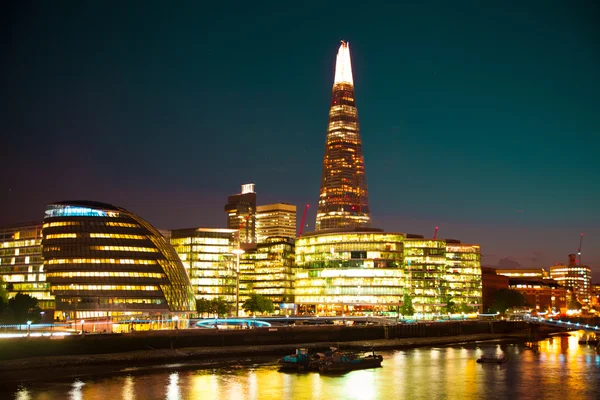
[
  {"x": 237, "y": 253},
  {"x": 28, "y": 328},
  {"x": 175, "y": 320}
]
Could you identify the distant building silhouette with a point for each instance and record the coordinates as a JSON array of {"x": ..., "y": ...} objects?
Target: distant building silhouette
[{"x": 241, "y": 215}]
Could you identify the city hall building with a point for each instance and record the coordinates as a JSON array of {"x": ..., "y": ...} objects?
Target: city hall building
[{"x": 103, "y": 261}]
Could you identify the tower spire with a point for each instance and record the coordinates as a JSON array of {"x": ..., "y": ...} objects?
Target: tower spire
[
  {"x": 343, "y": 66},
  {"x": 343, "y": 200}
]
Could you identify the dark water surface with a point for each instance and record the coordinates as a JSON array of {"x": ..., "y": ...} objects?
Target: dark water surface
[{"x": 561, "y": 369}]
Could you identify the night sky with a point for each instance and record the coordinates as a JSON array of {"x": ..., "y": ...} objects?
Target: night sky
[{"x": 481, "y": 119}]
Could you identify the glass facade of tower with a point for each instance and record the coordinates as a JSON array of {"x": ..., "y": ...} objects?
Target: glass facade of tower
[
  {"x": 207, "y": 255},
  {"x": 269, "y": 271},
  {"x": 21, "y": 265},
  {"x": 426, "y": 273},
  {"x": 343, "y": 198},
  {"x": 464, "y": 275},
  {"x": 104, "y": 261},
  {"x": 349, "y": 271},
  {"x": 275, "y": 220}
]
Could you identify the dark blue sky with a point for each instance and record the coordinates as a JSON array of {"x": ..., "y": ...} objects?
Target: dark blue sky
[{"x": 469, "y": 112}]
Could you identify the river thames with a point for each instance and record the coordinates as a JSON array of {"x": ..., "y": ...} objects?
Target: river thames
[{"x": 559, "y": 369}]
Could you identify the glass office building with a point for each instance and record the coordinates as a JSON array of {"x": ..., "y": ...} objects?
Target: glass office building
[
  {"x": 269, "y": 271},
  {"x": 207, "y": 254},
  {"x": 349, "y": 271},
  {"x": 21, "y": 265},
  {"x": 103, "y": 261},
  {"x": 463, "y": 275},
  {"x": 425, "y": 261},
  {"x": 275, "y": 220}
]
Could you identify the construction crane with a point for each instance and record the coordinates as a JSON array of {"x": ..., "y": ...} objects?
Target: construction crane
[
  {"x": 303, "y": 220},
  {"x": 435, "y": 233},
  {"x": 244, "y": 221},
  {"x": 579, "y": 250}
]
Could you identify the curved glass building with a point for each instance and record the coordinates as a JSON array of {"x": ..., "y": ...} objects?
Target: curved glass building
[{"x": 104, "y": 261}]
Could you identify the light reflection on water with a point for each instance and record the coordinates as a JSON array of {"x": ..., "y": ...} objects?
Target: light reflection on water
[{"x": 560, "y": 369}]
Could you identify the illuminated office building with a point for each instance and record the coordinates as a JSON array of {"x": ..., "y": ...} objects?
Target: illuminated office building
[
  {"x": 241, "y": 215},
  {"x": 577, "y": 278},
  {"x": 21, "y": 265},
  {"x": 524, "y": 273},
  {"x": 104, "y": 261},
  {"x": 426, "y": 272},
  {"x": 207, "y": 255},
  {"x": 343, "y": 198},
  {"x": 269, "y": 271},
  {"x": 275, "y": 220},
  {"x": 463, "y": 275},
  {"x": 349, "y": 270}
]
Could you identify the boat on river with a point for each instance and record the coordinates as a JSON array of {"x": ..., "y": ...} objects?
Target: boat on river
[
  {"x": 304, "y": 360},
  {"x": 349, "y": 361},
  {"x": 493, "y": 359}
]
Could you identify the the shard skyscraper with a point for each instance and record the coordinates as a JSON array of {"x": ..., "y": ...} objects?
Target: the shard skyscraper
[{"x": 343, "y": 200}]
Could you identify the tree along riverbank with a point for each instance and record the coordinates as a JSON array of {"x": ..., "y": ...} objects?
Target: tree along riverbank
[{"x": 64, "y": 367}]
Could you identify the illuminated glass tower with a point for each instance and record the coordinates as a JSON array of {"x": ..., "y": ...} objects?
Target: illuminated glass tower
[{"x": 343, "y": 200}]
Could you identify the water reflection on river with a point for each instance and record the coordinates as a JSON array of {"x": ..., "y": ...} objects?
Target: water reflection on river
[{"x": 561, "y": 369}]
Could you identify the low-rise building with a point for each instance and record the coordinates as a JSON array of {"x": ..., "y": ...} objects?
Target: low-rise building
[
  {"x": 491, "y": 283},
  {"x": 540, "y": 273},
  {"x": 541, "y": 294}
]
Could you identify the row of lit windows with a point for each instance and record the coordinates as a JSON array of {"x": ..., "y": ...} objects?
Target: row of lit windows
[
  {"x": 72, "y": 274},
  {"x": 136, "y": 301},
  {"x": 348, "y": 300},
  {"x": 60, "y": 223},
  {"x": 21, "y": 243},
  {"x": 20, "y": 251},
  {"x": 122, "y": 224},
  {"x": 201, "y": 240},
  {"x": 351, "y": 237},
  {"x": 116, "y": 236},
  {"x": 103, "y": 287},
  {"x": 61, "y": 236},
  {"x": 125, "y": 248},
  {"x": 99, "y": 261}
]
